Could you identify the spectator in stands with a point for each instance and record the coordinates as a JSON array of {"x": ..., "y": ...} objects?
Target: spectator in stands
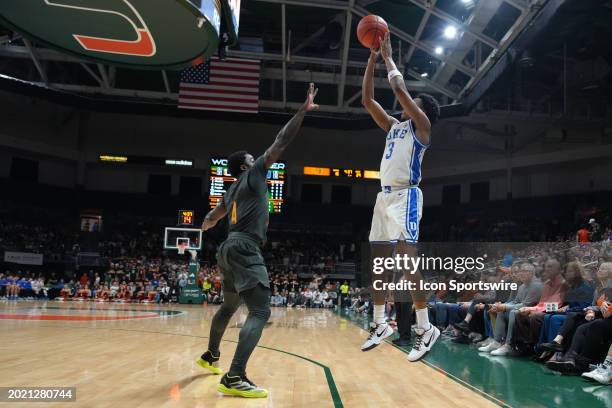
[
  {"x": 344, "y": 293},
  {"x": 82, "y": 291},
  {"x": 328, "y": 299},
  {"x": 150, "y": 291},
  {"x": 530, "y": 318},
  {"x": 66, "y": 292},
  {"x": 114, "y": 289},
  {"x": 582, "y": 236},
  {"x": 590, "y": 344},
  {"x": 578, "y": 296},
  {"x": 276, "y": 300},
  {"x": 25, "y": 285},
  {"x": 207, "y": 287},
  {"x": 476, "y": 307},
  {"x": 139, "y": 292},
  {"x": 510, "y": 275},
  {"x": 125, "y": 292},
  {"x": 12, "y": 287},
  {"x": 527, "y": 294},
  {"x": 317, "y": 298},
  {"x": 361, "y": 304},
  {"x": 38, "y": 287},
  {"x": 3, "y": 284},
  {"x": 103, "y": 293},
  {"x": 595, "y": 232},
  {"x": 575, "y": 320},
  {"x": 164, "y": 293},
  {"x": 451, "y": 309},
  {"x": 84, "y": 280}
]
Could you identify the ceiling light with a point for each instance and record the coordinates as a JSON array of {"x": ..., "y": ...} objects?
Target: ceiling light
[
  {"x": 450, "y": 32},
  {"x": 439, "y": 50}
]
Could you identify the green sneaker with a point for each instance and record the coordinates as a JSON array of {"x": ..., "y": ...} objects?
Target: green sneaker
[
  {"x": 210, "y": 362},
  {"x": 240, "y": 386}
]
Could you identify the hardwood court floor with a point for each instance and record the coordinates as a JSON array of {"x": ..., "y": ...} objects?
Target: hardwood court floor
[{"x": 143, "y": 356}]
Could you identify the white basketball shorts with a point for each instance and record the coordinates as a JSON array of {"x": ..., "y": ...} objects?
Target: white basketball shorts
[{"x": 397, "y": 215}]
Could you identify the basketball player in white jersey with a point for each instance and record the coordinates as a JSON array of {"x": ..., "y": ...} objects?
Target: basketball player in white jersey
[{"x": 398, "y": 209}]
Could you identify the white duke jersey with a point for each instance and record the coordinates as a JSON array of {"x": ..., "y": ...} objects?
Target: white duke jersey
[{"x": 401, "y": 162}]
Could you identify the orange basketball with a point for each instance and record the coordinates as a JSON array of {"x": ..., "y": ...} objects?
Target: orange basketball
[{"x": 370, "y": 30}]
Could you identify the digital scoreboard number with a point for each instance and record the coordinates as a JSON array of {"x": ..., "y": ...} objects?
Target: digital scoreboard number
[
  {"x": 185, "y": 217},
  {"x": 220, "y": 181},
  {"x": 343, "y": 173}
]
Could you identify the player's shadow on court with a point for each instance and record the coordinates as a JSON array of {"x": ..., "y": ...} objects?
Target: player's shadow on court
[{"x": 187, "y": 381}]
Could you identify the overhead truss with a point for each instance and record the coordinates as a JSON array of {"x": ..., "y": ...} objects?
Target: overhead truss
[{"x": 282, "y": 67}]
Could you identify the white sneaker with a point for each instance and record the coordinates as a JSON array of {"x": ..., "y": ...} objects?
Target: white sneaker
[
  {"x": 502, "y": 351},
  {"x": 484, "y": 342},
  {"x": 601, "y": 374},
  {"x": 425, "y": 339},
  {"x": 489, "y": 347},
  {"x": 377, "y": 334}
]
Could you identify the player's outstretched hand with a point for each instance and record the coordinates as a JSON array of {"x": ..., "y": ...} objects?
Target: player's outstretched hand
[
  {"x": 208, "y": 224},
  {"x": 309, "y": 105},
  {"x": 385, "y": 46}
]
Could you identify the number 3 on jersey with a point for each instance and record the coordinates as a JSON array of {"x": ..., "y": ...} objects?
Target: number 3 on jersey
[
  {"x": 234, "y": 217},
  {"x": 390, "y": 152}
]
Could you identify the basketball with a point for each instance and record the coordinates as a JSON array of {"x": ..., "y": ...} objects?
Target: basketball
[{"x": 370, "y": 30}]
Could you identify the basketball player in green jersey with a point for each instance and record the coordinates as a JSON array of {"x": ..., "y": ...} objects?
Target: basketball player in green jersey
[{"x": 245, "y": 276}]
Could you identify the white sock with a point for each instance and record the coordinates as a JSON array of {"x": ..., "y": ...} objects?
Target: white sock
[
  {"x": 558, "y": 339},
  {"x": 422, "y": 318},
  {"x": 379, "y": 314}
]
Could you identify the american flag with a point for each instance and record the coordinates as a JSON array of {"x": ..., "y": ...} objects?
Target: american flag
[{"x": 229, "y": 85}]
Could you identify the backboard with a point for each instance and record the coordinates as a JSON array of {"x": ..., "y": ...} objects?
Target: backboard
[{"x": 173, "y": 236}]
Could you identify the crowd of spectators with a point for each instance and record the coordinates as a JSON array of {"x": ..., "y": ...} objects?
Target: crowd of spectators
[
  {"x": 51, "y": 240},
  {"x": 309, "y": 252},
  {"x": 124, "y": 280},
  {"x": 560, "y": 315}
]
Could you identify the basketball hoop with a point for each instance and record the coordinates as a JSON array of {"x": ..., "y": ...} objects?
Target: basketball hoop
[{"x": 182, "y": 247}]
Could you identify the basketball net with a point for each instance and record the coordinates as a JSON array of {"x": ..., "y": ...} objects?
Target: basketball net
[{"x": 182, "y": 247}]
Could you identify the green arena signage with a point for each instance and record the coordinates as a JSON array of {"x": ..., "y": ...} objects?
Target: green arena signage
[{"x": 138, "y": 33}]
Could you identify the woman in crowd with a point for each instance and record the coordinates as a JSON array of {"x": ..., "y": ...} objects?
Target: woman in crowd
[
  {"x": 124, "y": 293},
  {"x": 579, "y": 295},
  {"x": 575, "y": 319},
  {"x": 592, "y": 338},
  {"x": 13, "y": 288}
]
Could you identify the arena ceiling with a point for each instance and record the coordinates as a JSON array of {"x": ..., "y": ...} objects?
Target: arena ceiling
[{"x": 445, "y": 47}]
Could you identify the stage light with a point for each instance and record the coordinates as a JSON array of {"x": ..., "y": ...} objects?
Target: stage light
[
  {"x": 439, "y": 50},
  {"x": 450, "y": 32}
]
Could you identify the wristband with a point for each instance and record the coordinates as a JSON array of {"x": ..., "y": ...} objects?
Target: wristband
[{"x": 393, "y": 73}]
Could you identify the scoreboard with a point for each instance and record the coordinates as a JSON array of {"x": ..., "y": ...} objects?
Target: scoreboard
[
  {"x": 220, "y": 180},
  {"x": 343, "y": 173},
  {"x": 185, "y": 217}
]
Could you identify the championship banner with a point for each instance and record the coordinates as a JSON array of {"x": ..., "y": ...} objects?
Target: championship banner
[{"x": 23, "y": 258}]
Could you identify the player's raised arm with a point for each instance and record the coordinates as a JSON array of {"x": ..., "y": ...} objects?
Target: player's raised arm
[
  {"x": 423, "y": 125},
  {"x": 213, "y": 216},
  {"x": 382, "y": 119},
  {"x": 290, "y": 130}
]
